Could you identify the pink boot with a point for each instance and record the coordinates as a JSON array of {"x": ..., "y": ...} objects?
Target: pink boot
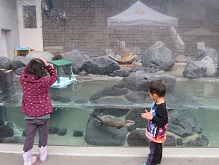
[
  {"x": 43, "y": 154},
  {"x": 28, "y": 159}
]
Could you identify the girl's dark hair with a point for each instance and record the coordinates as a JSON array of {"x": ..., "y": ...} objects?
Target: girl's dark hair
[
  {"x": 157, "y": 87},
  {"x": 36, "y": 67}
]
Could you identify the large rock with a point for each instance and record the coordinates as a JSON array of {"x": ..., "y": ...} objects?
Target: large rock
[
  {"x": 170, "y": 140},
  {"x": 210, "y": 65},
  {"x": 5, "y": 63},
  {"x": 200, "y": 141},
  {"x": 183, "y": 129},
  {"x": 6, "y": 131},
  {"x": 100, "y": 65},
  {"x": 113, "y": 91},
  {"x": 159, "y": 56},
  {"x": 121, "y": 73},
  {"x": 107, "y": 102},
  {"x": 77, "y": 58},
  {"x": 203, "y": 65},
  {"x": 194, "y": 70},
  {"x": 13, "y": 139},
  {"x": 19, "y": 62},
  {"x": 138, "y": 138},
  {"x": 210, "y": 60},
  {"x": 135, "y": 115},
  {"x": 139, "y": 80},
  {"x": 2, "y": 123},
  {"x": 183, "y": 123},
  {"x": 100, "y": 135},
  {"x": 62, "y": 131},
  {"x": 111, "y": 111},
  {"x": 40, "y": 54},
  {"x": 137, "y": 96}
]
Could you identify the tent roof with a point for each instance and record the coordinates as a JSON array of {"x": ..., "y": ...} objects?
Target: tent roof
[{"x": 140, "y": 14}]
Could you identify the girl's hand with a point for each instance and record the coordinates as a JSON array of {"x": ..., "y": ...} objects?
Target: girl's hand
[
  {"x": 44, "y": 61},
  {"x": 147, "y": 115}
]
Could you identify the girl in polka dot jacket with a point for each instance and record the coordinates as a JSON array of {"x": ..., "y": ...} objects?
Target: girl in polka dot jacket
[{"x": 36, "y": 105}]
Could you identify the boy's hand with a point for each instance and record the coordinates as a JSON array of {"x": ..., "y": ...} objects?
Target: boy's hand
[{"x": 147, "y": 115}]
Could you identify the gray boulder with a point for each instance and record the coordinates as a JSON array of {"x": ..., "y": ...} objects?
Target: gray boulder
[
  {"x": 135, "y": 115},
  {"x": 6, "y": 131},
  {"x": 107, "y": 102},
  {"x": 139, "y": 80},
  {"x": 112, "y": 91},
  {"x": 100, "y": 65},
  {"x": 20, "y": 62},
  {"x": 13, "y": 139},
  {"x": 100, "y": 135},
  {"x": 116, "y": 112},
  {"x": 183, "y": 123},
  {"x": 194, "y": 70},
  {"x": 137, "y": 96},
  {"x": 5, "y": 63},
  {"x": 77, "y": 58},
  {"x": 170, "y": 140},
  {"x": 200, "y": 141},
  {"x": 62, "y": 131},
  {"x": 210, "y": 65},
  {"x": 110, "y": 51},
  {"x": 210, "y": 60},
  {"x": 121, "y": 73},
  {"x": 138, "y": 138},
  {"x": 203, "y": 65},
  {"x": 40, "y": 54},
  {"x": 158, "y": 56}
]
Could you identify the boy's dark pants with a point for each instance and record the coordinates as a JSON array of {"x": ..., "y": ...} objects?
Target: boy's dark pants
[
  {"x": 155, "y": 155},
  {"x": 32, "y": 125}
]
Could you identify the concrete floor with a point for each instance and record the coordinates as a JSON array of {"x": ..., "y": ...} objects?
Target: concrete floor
[{"x": 60, "y": 155}]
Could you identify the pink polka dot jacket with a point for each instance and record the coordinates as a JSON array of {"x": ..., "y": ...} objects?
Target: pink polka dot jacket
[{"x": 36, "y": 99}]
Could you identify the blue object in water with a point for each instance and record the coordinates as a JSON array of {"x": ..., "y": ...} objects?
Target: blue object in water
[{"x": 64, "y": 81}]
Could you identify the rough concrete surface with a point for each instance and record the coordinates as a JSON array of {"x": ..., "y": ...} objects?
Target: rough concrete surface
[{"x": 60, "y": 155}]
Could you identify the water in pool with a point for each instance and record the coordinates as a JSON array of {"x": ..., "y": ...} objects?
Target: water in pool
[{"x": 72, "y": 111}]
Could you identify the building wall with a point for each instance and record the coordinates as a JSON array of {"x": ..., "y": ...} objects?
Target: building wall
[
  {"x": 9, "y": 37},
  {"x": 30, "y": 37},
  {"x": 82, "y": 24}
]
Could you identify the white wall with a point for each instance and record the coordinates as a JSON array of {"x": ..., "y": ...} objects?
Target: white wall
[
  {"x": 9, "y": 37},
  {"x": 30, "y": 37}
]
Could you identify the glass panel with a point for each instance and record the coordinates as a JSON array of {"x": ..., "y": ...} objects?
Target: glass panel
[
  {"x": 191, "y": 105},
  {"x": 117, "y": 48}
]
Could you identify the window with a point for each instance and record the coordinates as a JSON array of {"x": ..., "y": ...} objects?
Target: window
[{"x": 29, "y": 15}]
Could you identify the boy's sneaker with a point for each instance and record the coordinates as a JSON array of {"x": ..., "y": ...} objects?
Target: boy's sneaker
[{"x": 143, "y": 163}]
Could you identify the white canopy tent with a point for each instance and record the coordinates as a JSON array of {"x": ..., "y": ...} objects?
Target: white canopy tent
[{"x": 141, "y": 15}]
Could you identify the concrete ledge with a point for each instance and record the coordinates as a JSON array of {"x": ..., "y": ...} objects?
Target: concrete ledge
[{"x": 66, "y": 155}]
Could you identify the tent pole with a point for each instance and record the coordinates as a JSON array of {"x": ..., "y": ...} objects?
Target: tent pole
[
  {"x": 179, "y": 44},
  {"x": 107, "y": 38}
]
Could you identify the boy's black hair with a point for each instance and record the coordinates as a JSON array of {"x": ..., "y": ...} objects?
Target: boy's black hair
[
  {"x": 36, "y": 67},
  {"x": 157, "y": 87}
]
